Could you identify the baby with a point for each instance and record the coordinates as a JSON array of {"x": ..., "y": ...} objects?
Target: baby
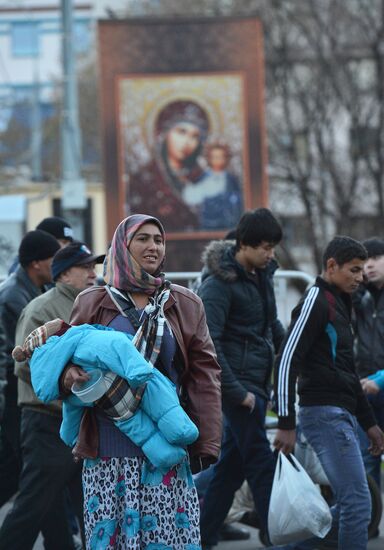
[{"x": 142, "y": 402}]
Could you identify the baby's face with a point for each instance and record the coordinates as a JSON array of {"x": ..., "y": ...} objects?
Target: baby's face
[{"x": 217, "y": 159}]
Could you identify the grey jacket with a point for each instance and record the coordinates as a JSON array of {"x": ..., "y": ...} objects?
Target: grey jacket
[{"x": 57, "y": 302}]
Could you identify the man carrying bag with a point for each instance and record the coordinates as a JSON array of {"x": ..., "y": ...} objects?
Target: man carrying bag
[{"x": 318, "y": 350}]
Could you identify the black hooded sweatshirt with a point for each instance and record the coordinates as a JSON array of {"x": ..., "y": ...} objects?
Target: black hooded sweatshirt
[{"x": 318, "y": 349}]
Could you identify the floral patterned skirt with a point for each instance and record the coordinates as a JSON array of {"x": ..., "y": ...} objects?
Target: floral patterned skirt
[{"x": 130, "y": 505}]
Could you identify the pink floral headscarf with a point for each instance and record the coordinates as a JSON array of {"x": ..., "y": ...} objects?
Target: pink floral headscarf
[{"x": 121, "y": 270}]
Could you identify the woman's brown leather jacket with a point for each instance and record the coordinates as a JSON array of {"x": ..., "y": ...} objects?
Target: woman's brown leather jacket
[{"x": 200, "y": 378}]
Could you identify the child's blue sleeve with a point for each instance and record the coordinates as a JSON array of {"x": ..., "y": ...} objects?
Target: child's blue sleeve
[{"x": 378, "y": 377}]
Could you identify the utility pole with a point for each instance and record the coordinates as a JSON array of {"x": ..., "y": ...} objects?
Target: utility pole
[
  {"x": 73, "y": 196},
  {"x": 36, "y": 131}
]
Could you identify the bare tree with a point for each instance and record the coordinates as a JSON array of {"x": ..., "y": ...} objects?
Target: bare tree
[
  {"x": 6, "y": 252},
  {"x": 89, "y": 118},
  {"x": 325, "y": 108},
  {"x": 325, "y": 111},
  {"x": 15, "y": 139}
]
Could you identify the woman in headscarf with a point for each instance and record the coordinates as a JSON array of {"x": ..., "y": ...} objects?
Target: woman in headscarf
[
  {"x": 180, "y": 132},
  {"x": 129, "y": 503}
]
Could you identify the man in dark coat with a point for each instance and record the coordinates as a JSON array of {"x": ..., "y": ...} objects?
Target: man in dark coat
[
  {"x": 316, "y": 362},
  {"x": 36, "y": 251},
  {"x": 368, "y": 305},
  {"x": 55, "y": 226},
  {"x": 40, "y": 503},
  {"x": 239, "y": 300}
]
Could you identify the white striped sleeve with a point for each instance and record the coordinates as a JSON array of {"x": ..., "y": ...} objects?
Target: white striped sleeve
[{"x": 289, "y": 349}]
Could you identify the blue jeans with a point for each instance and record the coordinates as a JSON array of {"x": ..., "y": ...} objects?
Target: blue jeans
[
  {"x": 332, "y": 432},
  {"x": 373, "y": 463},
  {"x": 245, "y": 454}
]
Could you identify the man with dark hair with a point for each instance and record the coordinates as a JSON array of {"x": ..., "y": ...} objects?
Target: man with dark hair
[
  {"x": 318, "y": 350},
  {"x": 256, "y": 227},
  {"x": 368, "y": 305},
  {"x": 48, "y": 465},
  {"x": 239, "y": 301},
  {"x": 35, "y": 252}
]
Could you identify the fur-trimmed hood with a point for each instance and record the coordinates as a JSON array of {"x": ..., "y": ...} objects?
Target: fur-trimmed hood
[{"x": 219, "y": 260}]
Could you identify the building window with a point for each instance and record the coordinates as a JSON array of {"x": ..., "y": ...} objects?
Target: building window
[
  {"x": 296, "y": 143},
  {"x": 25, "y": 39},
  {"x": 364, "y": 140},
  {"x": 81, "y": 35},
  {"x": 364, "y": 226},
  {"x": 83, "y": 231},
  {"x": 296, "y": 230}
]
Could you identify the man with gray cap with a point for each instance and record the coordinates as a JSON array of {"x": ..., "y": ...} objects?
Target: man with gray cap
[
  {"x": 48, "y": 465},
  {"x": 36, "y": 251}
]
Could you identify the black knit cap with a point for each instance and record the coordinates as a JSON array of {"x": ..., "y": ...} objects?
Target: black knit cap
[
  {"x": 76, "y": 253},
  {"x": 374, "y": 246},
  {"x": 37, "y": 245},
  {"x": 57, "y": 227}
]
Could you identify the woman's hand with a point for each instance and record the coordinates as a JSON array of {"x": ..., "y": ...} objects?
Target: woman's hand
[
  {"x": 369, "y": 386},
  {"x": 74, "y": 374}
]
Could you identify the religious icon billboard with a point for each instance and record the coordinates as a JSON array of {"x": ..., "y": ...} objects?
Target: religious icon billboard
[
  {"x": 182, "y": 141},
  {"x": 183, "y": 120}
]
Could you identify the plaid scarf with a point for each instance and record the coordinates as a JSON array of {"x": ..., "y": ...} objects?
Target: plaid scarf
[
  {"x": 121, "y": 270},
  {"x": 149, "y": 332},
  {"x": 120, "y": 401}
]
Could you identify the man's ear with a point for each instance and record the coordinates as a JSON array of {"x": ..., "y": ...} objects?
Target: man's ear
[{"x": 331, "y": 265}]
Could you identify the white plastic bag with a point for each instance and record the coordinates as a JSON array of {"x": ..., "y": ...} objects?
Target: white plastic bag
[
  {"x": 309, "y": 460},
  {"x": 297, "y": 511}
]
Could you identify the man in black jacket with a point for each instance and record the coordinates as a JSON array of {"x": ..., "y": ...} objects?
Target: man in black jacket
[
  {"x": 318, "y": 350},
  {"x": 368, "y": 305},
  {"x": 55, "y": 226},
  {"x": 36, "y": 251},
  {"x": 3, "y": 370},
  {"x": 40, "y": 503},
  {"x": 239, "y": 301}
]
